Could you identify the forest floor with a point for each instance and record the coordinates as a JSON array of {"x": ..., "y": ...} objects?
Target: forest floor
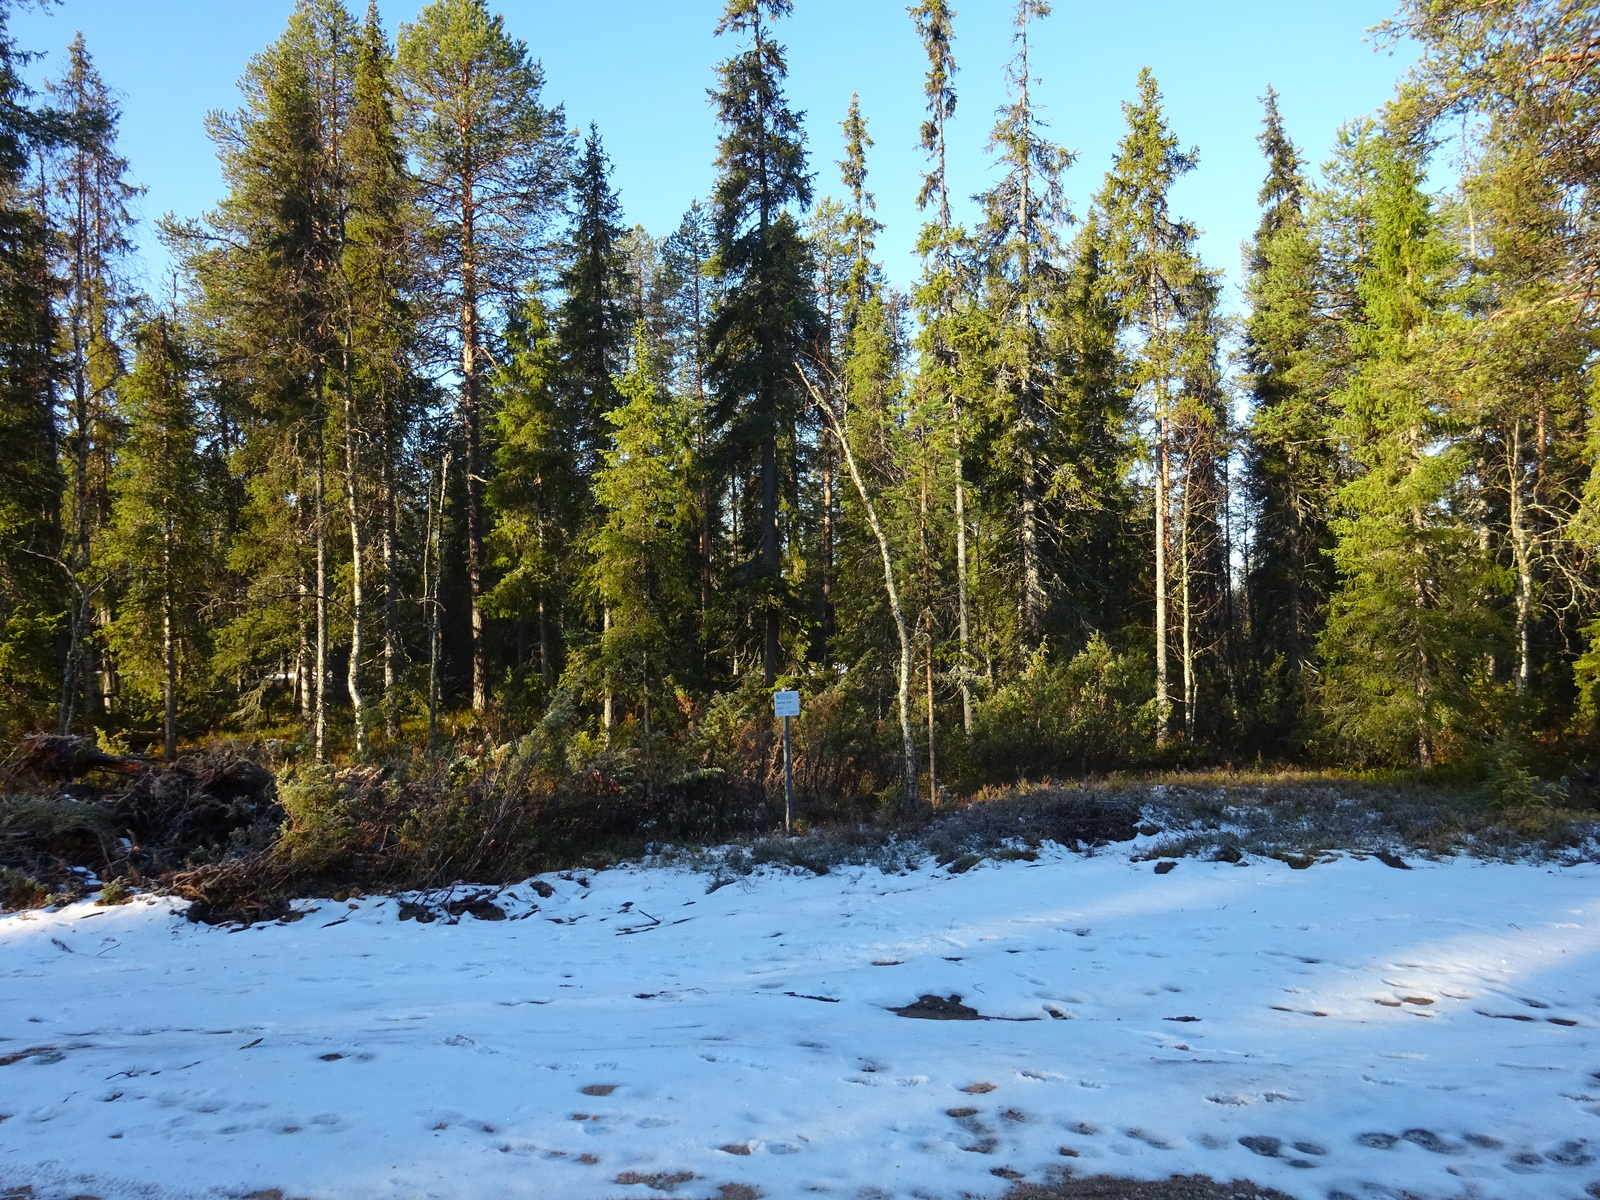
[{"x": 1349, "y": 1031}]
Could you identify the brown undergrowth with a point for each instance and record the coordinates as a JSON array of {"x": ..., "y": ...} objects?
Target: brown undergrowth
[{"x": 239, "y": 830}]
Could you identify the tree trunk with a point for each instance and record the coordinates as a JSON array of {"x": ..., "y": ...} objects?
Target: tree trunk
[
  {"x": 771, "y": 654},
  {"x": 827, "y": 553},
  {"x": 933, "y": 740},
  {"x": 1186, "y": 596},
  {"x": 430, "y": 595},
  {"x": 470, "y": 419},
  {"x": 391, "y": 597},
  {"x": 1028, "y": 533},
  {"x": 964, "y": 671},
  {"x": 320, "y": 653},
  {"x": 1163, "y": 690},
  {"x": 908, "y": 742},
  {"x": 305, "y": 692},
  {"x": 358, "y": 599},
  {"x": 1522, "y": 550},
  {"x": 169, "y": 655},
  {"x": 606, "y": 700}
]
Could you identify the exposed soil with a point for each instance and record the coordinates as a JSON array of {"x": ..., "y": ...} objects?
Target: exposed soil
[
  {"x": 937, "y": 1008},
  {"x": 1179, "y": 1187}
]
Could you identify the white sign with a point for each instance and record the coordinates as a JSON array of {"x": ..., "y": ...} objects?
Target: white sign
[{"x": 786, "y": 704}]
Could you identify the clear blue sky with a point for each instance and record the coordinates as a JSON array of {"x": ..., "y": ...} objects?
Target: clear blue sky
[{"x": 640, "y": 69}]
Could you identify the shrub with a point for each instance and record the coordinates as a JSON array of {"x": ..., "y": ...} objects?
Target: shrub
[
  {"x": 115, "y": 891},
  {"x": 318, "y": 821},
  {"x": 1062, "y": 720},
  {"x": 20, "y": 891}
]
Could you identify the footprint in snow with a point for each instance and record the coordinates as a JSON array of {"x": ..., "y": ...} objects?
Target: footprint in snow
[
  {"x": 1571, "y": 1153},
  {"x": 1271, "y": 1147}
]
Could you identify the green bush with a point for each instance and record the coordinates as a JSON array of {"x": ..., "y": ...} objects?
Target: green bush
[
  {"x": 20, "y": 891},
  {"x": 318, "y": 819},
  {"x": 115, "y": 892},
  {"x": 1062, "y": 719}
]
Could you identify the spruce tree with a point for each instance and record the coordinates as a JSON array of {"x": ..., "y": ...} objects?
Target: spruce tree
[
  {"x": 1093, "y": 451},
  {"x": 690, "y": 292},
  {"x": 595, "y": 319},
  {"x": 1521, "y": 382},
  {"x": 1292, "y": 459},
  {"x": 1527, "y": 67},
  {"x": 937, "y": 298},
  {"x": 536, "y": 491},
  {"x": 273, "y": 309},
  {"x": 382, "y": 346},
  {"x": 766, "y": 319},
  {"x": 641, "y": 578},
  {"x": 158, "y": 538},
  {"x": 34, "y": 582},
  {"x": 87, "y": 205},
  {"x": 1019, "y": 250},
  {"x": 1149, "y": 257},
  {"x": 1408, "y": 626}
]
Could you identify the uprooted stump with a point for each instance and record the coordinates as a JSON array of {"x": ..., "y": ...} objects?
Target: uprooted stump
[
  {"x": 476, "y": 906},
  {"x": 937, "y": 1008}
]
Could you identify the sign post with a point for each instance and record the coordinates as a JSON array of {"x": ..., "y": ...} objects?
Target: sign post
[{"x": 786, "y": 705}]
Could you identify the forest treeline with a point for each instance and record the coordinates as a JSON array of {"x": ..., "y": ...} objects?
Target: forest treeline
[{"x": 425, "y": 441}]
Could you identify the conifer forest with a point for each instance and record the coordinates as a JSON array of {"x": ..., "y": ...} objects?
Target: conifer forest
[{"x": 425, "y": 452}]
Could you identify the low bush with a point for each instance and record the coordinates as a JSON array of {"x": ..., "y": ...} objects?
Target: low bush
[
  {"x": 20, "y": 891},
  {"x": 1061, "y": 720}
]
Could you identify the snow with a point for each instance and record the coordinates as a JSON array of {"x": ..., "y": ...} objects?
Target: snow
[{"x": 1372, "y": 1032}]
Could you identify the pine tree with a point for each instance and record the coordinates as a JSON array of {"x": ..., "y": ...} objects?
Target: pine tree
[
  {"x": 765, "y": 320},
  {"x": 158, "y": 538},
  {"x": 88, "y": 205},
  {"x": 491, "y": 161}
]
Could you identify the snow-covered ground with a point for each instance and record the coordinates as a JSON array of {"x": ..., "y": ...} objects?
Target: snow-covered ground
[{"x": 1351, "y": 1030}]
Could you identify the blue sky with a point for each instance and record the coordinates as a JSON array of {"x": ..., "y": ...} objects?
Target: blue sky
[{"x": 640, "y": 69}]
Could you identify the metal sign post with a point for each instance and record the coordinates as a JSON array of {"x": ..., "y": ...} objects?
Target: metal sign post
[{"x": 786, "y": 705}]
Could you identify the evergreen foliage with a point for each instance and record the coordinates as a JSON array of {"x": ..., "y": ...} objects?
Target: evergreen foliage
[
  {"x": 428, "y": 436},
  {"x": 765, "y": 322}
]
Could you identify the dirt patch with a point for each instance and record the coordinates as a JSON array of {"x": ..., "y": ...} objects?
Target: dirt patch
[
  {"x": 45, "y": 1054},
  {"x": 937, "y": 1008},
  {"x": 660, "y": 1181},
  {"x": 1179, "y": 1187}
]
